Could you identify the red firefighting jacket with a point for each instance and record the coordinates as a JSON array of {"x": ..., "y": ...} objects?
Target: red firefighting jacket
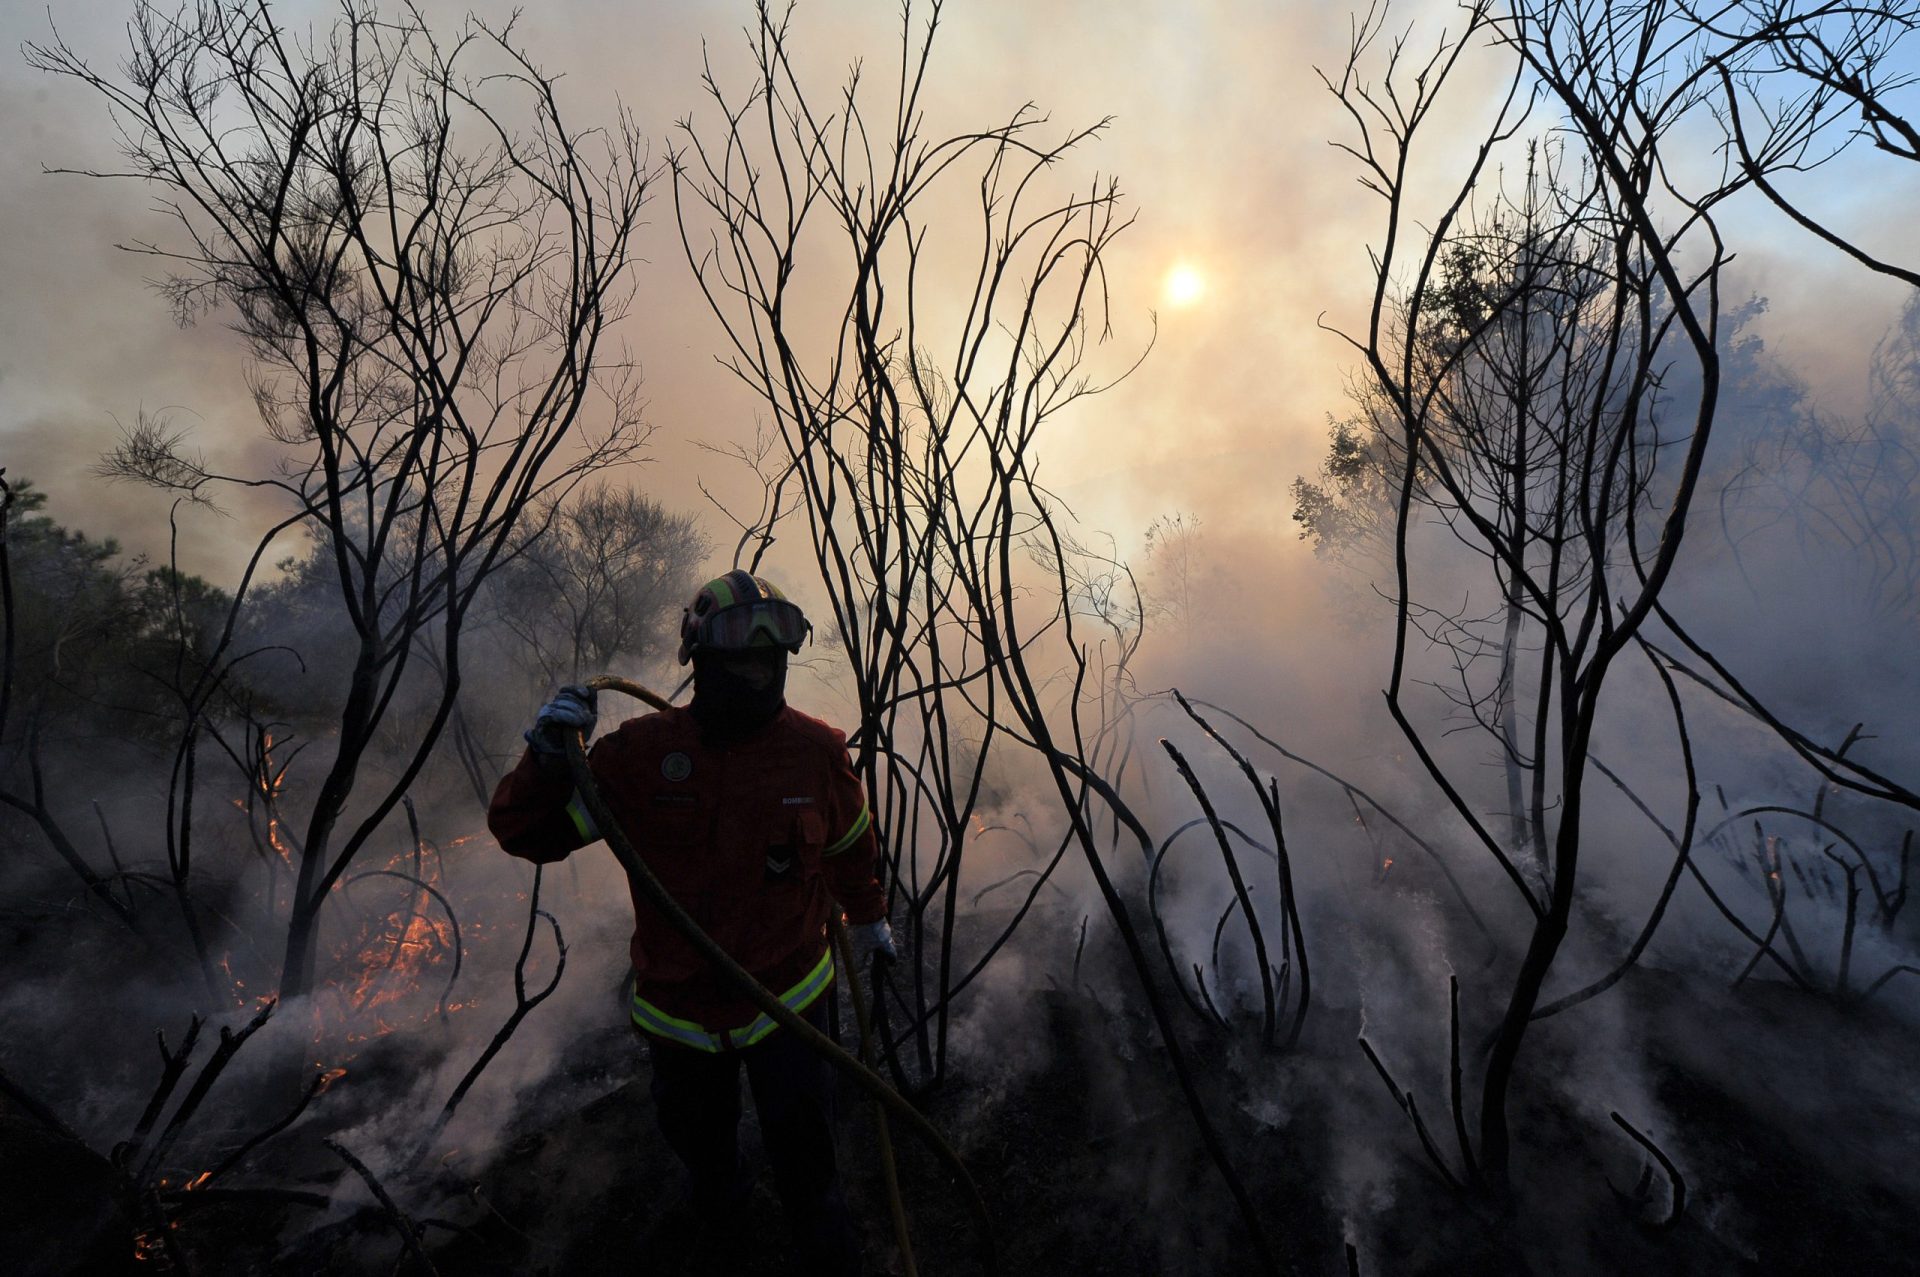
[{"x": 755, "y": 840}]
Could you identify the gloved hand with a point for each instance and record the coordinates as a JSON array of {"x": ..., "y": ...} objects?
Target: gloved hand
[
  {"x": 869, "y": 938},
  {"x": 570, "y": 710}
]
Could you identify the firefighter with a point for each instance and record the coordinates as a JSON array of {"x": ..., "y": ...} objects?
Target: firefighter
[{"x": 751, "y": 815}]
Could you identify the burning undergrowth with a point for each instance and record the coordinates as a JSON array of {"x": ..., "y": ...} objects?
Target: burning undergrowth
[
  {"x": 1060, "y": 1099},
  {"x": 390, "y": 1110},
  {"x": 407, "y": 1054}
]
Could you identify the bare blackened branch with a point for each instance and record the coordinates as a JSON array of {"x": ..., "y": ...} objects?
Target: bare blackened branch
[
  {"x": 1674, "y": 1178},
  {"x": 428, "y": 263},
  {"x": 523, "y": 1006},
  {"x": 410, "y": 1232},
  {"x": 172, "y": 1065},
  {"x": 230, "y": 1044},
  {"x": 1239, "y": 891},
  {"x": 1289, "y": 900},
  {"x": 318, "y": 1086},
  {"x": 1408, "y": 1106},
  {"x": 1682, "y": 846}
]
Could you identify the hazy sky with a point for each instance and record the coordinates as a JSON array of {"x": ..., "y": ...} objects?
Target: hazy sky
[{"x": 1219, "y": 138}]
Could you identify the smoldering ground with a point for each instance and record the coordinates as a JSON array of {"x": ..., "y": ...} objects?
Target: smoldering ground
[{"x": 1384, "y": 940}]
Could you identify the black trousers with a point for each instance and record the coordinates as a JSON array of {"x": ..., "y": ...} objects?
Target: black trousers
[{"x": 696, "y": 1096}]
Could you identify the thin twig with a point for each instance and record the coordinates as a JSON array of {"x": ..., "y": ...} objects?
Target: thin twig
[
  {"x": 1239, "y": 890},
  {"x": 1405, "y": 1100},
  {"x": 318, "y": 1086},
  {"x": 172, "y": 1065},
  {"x": 230, "y": 1044},
  {"x": 401, "y": 1221},
  {"x": 523, "y": 1005}
]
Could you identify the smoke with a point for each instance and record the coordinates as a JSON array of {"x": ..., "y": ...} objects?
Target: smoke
[{"x": 1219, "y": 135}]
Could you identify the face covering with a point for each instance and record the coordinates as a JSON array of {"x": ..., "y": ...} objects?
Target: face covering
[{"x": 726, "y": 706}]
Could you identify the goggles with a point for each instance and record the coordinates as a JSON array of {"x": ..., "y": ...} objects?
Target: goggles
[{"x": 766, "y": 623}]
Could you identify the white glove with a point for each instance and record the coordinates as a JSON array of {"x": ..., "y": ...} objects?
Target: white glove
[
  {"x": 869, "y": 938},
  {"x": 571, "y": 709}
]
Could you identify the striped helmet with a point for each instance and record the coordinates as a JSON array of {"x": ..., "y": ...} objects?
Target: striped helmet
[{"x": 739, "y": 611}]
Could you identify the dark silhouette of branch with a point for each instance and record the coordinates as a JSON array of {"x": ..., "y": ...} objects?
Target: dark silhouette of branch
[
  {"x": 230, "y": 1044},
  {"x": 1682, "y": 846},
  {"x": 1289, "y": 899},
  {"x": 523, "y": 1006},
  {"x": 403, "y": 1223},
  {"x": 1356, "y": 793},
  {"x": 1674, "y": 1178},
  {"x": 1239, "y": 891}
]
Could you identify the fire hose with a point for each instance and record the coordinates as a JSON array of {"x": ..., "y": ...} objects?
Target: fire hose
[{"x": 884, "y": 1097}]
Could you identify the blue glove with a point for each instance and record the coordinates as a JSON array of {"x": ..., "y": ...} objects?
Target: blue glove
[
  {"x": 570, "y": 710},
  {"x": 869, "y": 938}
]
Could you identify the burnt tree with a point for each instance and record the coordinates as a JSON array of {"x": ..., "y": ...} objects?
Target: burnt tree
[{"x": 424, "y": 259}]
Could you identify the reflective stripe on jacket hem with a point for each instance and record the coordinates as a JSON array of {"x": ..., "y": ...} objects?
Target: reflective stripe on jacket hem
[{"x": 797, "y": 999}]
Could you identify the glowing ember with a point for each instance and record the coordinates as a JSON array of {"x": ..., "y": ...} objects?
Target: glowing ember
[
  {"x": 398, "y": 957},
  {"x": 273, "y": 840},
  {"x": 392, "y": 962}
]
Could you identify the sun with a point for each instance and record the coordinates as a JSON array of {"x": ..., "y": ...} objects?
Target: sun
[{"x": 1184, "y": 285}]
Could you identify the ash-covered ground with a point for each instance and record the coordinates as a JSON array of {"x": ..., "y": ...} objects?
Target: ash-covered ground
[{"x": 1789, "y": 1120}]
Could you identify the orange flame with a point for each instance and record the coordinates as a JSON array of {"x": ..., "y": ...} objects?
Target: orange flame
[
  {"x": 274, "y": 841},
  {"x": 397, "y": 956}
]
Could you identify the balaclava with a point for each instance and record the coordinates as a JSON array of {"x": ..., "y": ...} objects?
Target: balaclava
[{"x": 726, "y": 707}]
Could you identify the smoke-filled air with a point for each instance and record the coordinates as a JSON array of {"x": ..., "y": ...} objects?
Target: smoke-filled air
[{"x": 990, "y": 638}]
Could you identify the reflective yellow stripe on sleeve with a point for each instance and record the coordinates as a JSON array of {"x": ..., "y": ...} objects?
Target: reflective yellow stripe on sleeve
[
  {"x": 582, "y": 819},
  {"x": 861, "y": 824}
]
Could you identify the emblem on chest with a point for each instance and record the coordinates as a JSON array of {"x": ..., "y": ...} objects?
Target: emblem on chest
[{"x": 676, "y": 766}]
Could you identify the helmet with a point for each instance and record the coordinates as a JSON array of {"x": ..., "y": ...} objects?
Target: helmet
[{"x": 739, "y": 611}]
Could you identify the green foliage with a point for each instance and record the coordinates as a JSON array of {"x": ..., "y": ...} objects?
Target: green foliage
[
  {"x": 102, "y": 643},
  {"x": 1463, "y": 297},
  {"x": 1349, "y": 511}
]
